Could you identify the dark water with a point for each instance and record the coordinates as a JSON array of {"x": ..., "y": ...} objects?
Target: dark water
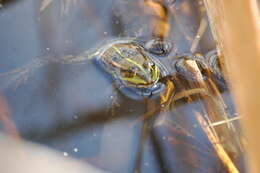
[{"x": 75, "y": 109}]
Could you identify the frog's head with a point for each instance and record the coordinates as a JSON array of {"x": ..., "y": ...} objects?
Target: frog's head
[
  {"x": 140, "y": 74},
  {"x": 132, "y": 66}
]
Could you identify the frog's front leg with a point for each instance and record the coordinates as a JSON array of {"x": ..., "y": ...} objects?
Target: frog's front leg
[{"x": 168, "y": 93}]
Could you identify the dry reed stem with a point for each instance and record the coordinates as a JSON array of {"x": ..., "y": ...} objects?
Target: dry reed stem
[
  {"x": 235, "y": 24},
  {"x": 222, "y": 154}
]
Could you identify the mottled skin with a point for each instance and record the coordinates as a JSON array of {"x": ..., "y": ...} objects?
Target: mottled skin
[{"x": 129, "y": 63}]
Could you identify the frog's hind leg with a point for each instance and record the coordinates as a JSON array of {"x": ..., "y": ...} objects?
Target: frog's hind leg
[
  {"x": 149, "y": 133},
  {"x": 20, "y": 76},
  {"x": 80, "y": 58},
  {"x": 144, "y": 135}
]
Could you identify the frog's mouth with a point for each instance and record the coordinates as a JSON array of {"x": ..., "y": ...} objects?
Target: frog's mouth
[
  {"x": 139, "y": 82},
  {"x": 140, "y": 92},
  {"x": 136, "y": 83}
]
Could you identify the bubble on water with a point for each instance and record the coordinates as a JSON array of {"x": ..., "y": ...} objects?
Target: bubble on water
[
  {"x": 65, "y": 154},
  {"x": 75, "y": 150},
  {"x": 131, "y": 110},
  {"x": 67, "y": 41},
  {"x": 75, "y": 117},
  {"x": 195, "y": 125},
  {"x": 48, "y": 49},
  {"x": 146, "y": 164}
]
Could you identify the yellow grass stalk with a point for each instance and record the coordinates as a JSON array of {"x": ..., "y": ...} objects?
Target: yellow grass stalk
[{"x": 236, "y": 28}]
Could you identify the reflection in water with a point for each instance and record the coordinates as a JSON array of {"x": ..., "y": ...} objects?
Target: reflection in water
[{"x": 76, "y": 108}]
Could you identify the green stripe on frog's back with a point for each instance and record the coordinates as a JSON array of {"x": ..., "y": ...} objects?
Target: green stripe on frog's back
[
  {"x": 129, "y": 63},
  {"x": 129, "y": 60}
]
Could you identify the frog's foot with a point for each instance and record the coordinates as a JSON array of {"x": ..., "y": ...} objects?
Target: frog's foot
[
  {"x": 20, "y": 75},
  {"x": 159, "y": 47}
]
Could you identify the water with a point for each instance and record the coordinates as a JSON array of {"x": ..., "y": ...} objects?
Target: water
[{"x": 75, "y": 109}]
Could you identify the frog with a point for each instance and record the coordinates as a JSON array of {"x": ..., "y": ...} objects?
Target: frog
[
  {"x": 127, "y": 61},
  {"x": 132, "y": 67}
]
